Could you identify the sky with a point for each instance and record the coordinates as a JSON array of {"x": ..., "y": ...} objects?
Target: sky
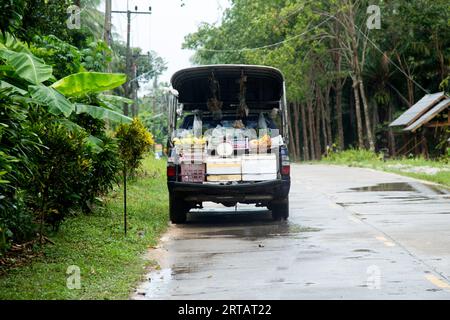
[{"x": 164, "y": 30}]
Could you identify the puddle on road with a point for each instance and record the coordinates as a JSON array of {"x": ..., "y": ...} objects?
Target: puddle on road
[
  {"x": 404, "y": 187},
  {"x": 260, "y": 231},
  {"x": 364, "y": 250},
  {"x": 152, "y": 287},
  {"x": 247, "y": 223}
]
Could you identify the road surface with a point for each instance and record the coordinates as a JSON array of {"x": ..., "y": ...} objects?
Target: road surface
[{"x": 353, "y": 234}]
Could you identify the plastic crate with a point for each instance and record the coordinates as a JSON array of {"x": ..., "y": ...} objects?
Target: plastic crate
[
  {"x": 192, "y": 158},
  {"x": 194, "y": 173}
]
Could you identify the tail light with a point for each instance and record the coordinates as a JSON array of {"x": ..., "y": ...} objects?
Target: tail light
[
  {"x": 286, "y": 170},
  {"x": 171, "y": 171},
  {"x": 285, "y": 163}
]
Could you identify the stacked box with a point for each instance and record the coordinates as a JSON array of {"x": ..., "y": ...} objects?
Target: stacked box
[
  {"x": 223, "y": 169},
  {"x": 259, "y": 167}
]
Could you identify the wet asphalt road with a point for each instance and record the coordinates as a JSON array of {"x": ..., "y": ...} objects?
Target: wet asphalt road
[{"x": 353, "y": 234}]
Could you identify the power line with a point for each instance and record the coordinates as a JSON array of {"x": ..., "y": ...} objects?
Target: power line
[
  {"x": 277, "y": 43},
  {"x": 392, "y": 62},
  {"x": 304, "y": 33},
  {"x": 270, "y": 45}
]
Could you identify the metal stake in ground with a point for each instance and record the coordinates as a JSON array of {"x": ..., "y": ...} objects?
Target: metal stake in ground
[{"x": 125, "y": 197}]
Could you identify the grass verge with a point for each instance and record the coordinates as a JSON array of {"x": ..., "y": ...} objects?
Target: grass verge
[
  {"x": 110, "y": 263},
  {"x": 419, "y": 168}
]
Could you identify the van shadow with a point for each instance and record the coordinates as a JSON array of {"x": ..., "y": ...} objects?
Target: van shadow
[
  {"x": 229, "y": 216},
  {"x": 248, "y": 224}
]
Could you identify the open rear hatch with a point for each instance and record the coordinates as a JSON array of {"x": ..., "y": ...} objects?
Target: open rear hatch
[{"x": 229, "y": 152}]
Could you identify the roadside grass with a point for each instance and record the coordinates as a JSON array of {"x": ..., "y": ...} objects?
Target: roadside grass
[
  {"x": 437, "y": 171},
  {"x": 110, "y": 263}
]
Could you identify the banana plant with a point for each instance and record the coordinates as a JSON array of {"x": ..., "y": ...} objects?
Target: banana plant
[{"x": 26, "y": 75}]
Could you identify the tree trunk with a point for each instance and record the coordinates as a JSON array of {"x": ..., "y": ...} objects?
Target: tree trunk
[
  {"x": 352, "y": 118},
  {"x": 311, "y": 131},
  {"x": 367, "y": 115},
  {"x": 328, "y": 115},
  {"x": 357, "y": 69},
  {"x": 339, "y": 121},
  {"x": 291, "y": 134},
  {"x": 375, "y": 120},
  {"x": 338, "y": 85},
  {"x": 297, "y": 129},
  {"x": 391, "y": 137},
  {"x": 306, "y": 156},
  {"x": 358, "y": 115},
  {"x": 317, "y": 142},
  {"x": 321, "y": 109}
]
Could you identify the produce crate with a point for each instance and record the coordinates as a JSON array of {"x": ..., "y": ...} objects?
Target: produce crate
[
  {"x": 194, "y": 173},
  {"x": 197, "y": 158}
]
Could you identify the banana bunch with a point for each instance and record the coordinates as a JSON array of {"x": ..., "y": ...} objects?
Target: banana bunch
[
  {"x": 189, "y": 141},
  {"x": 265, "y": 140}
]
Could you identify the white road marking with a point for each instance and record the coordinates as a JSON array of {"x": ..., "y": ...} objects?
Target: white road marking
[
  {"x": 386, "y": 242},
  {"x": 438, "y": 282},
  {"x": 334, "y": 206},
  {"x": 353, "y": 219}
]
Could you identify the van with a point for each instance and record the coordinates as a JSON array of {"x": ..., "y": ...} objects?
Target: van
[{"x": 228, "y": 139}]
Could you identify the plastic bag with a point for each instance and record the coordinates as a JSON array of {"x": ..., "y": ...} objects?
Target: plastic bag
[
  {"x": 198, "y": 126},
  {"x": 262, "y": 124}
]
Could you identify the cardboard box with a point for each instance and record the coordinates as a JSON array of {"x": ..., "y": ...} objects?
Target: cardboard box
[
  {"x": 224, "y": 178},
  {"x": 259, "y": 164},
  {"x": 223, "y": 166},
  {"x": 259, "y": 177}
]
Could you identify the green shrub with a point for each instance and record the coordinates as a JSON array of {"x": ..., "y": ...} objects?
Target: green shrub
[
  {"x": 134, "y": 142},
  {"x": 104, "y": 154},
  {"x": 17, "y": 145},
  {"x": 72, "y": 170},
  {"x": 63, "y": 169},
  {"x": 353, "y": 156}
]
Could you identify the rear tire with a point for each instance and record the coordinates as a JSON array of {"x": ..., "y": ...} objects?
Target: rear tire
[
  {"x": 280, "y": 209},
  {"x": 178, "y": 210}
]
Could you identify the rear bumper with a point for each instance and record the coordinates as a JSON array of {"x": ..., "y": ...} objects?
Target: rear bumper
[{"x": 245, "y": 193}]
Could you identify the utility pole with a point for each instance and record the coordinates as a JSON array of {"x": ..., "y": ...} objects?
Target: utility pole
[
  {"x": 135, "y": 84},
  {"x": 129, "y": 64},
  {"x": 107, "y": 36}
]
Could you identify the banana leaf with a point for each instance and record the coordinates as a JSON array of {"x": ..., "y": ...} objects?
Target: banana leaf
[
  {"x": 116, "y": 100},
  {"x": 57, "y": 104},
  {"x": 84, "y": 83},
  {"x": 4, "y": 84},
  {"x": 27, "y": 66},
  {"x": 102, "y": 113}
]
